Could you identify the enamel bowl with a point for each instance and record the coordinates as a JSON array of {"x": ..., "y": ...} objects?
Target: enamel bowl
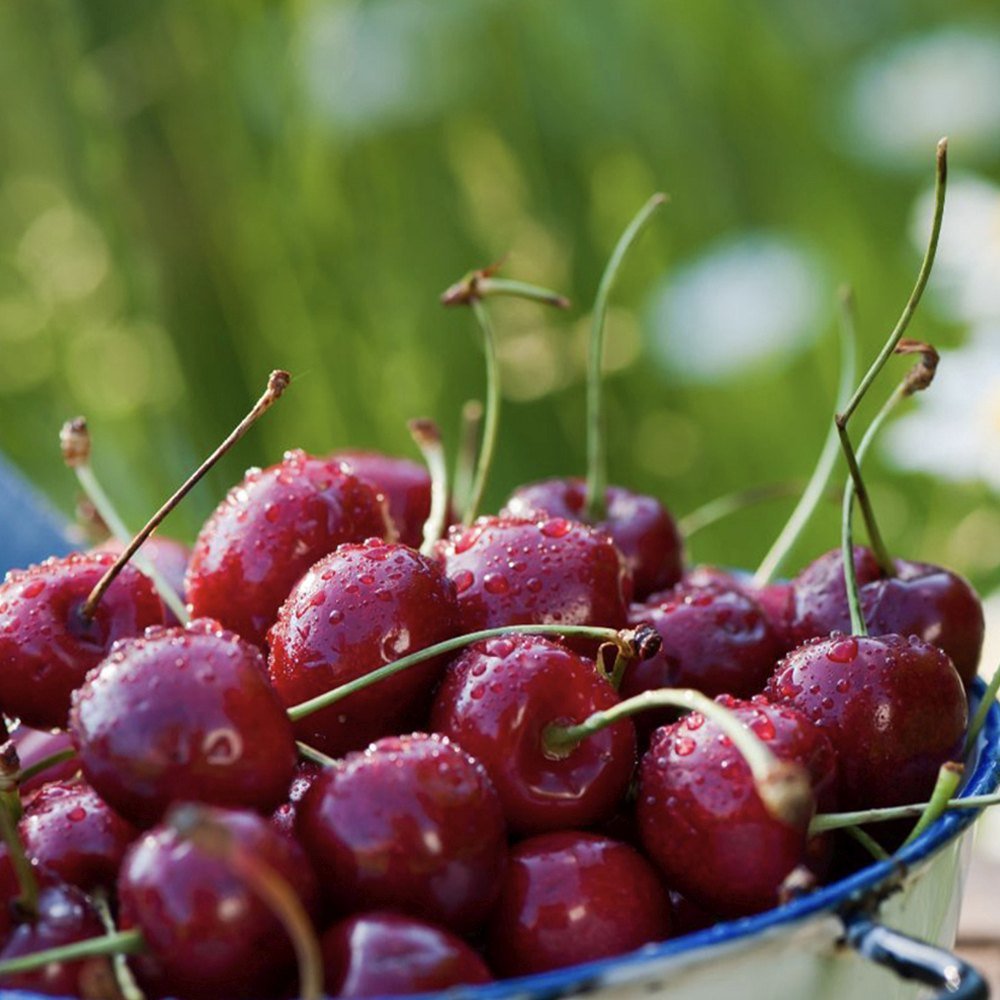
[{"x": 880, "y": 933}]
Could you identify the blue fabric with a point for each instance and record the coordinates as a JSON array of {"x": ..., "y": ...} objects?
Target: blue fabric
[{"x": 30, "y": 529}]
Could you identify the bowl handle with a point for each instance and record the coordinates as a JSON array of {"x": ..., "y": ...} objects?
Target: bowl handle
[{"x": 913, "y": 959}]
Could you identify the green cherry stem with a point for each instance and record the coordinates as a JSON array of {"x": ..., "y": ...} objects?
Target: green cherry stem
[
  {"x": 732, "y": 503},
  {"x": 127, "y": 985},
  {"x": 836, "y": 821},
  {"x": 427, "y": 437},
  {"x": 276, "y": 384},
  {"x": 492, "y": 413},
  {"x": 625, "y": 640},
  {"x": 314, "y": 755},
  {"x": 74, "y": 440},
  {"x": 10, "y": 813},
  {"x": 129, "y": 942},
  {"x": 818, "y": 482},
  {"x": 868, "y": 842},
  {"x": 490, "y": 285},
  {"x": 468, "y": 446},
  {"x": 783, "y": 787},
  {"x": 53, "y": 759},
  {"x": 948, "y": 779},
  {"x": 597, "y": 472}
]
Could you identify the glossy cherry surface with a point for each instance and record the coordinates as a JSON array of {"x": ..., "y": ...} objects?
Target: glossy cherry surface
[
  {"x": 357, "y": 609},
  {"x": 702, "y": 820},
  {"x": 639, "y": 525},
  {"x": 894, "y": 708},
  {"x": 387, "y": 954},
  {"x": 498, "y": 698},
  {"x": 169, "y": 557},
  {"x": 183, "y": 714},
  {"x": 573, "y": 897},
  {"x": 269, "y": 530},
  {"x": 406, "y": 486},
  {"x": 36, "y": 745},
  {"x": 209, "y": 934},
  {"x": 412, "y": 823},
  {"x": 47, "y": 646},
  {"x": 511, "y": 571},
  {"x": 68, "y": 829},
  {"x": 283, "y": 818}
]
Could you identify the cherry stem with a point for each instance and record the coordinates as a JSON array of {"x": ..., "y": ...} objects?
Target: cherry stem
[
  {"x": 732, "y": 503},
  {"x": 276, "y": 385},
  {"x": 53, "y": 759},
  {"x": 128, "y": 942},
  {"x": 522, "y": 290},
  {"x": 637, "y": 639},
  {"x": 948, "y": 779},
  {"x": 868, "y": 842},
  {"x": 10, "y": 813},
  {"x": 492, "y": 413},
  {"x": 127, "y": 985},
  {"x": 941, "y": 182},
  {"x": 782, "y": 786},
  {"x": 314, "y": 755},
  {"x": 76, "y": 455},
  {"x": 979, "y": 719},
  {"x": 427, "y": 437},
  {"x": 211, "y": 837},
  {"x": 818, "y": 482},
  {"x": 597, "y": 460},
  {"x": 472, "y": 422},
  {"x": 836, "y": 821}
]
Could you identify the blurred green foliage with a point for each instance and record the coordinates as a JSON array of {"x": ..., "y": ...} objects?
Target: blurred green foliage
[{"x": 192, "y": 194}]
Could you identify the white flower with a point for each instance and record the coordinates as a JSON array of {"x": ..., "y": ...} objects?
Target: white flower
[{"x": 743, "y": 301}]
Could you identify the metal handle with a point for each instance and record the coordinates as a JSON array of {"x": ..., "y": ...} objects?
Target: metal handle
[{"x": 913, "y": 959}]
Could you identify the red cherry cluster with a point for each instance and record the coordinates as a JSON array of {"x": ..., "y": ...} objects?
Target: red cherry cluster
[{"x": 377, "y": 761}]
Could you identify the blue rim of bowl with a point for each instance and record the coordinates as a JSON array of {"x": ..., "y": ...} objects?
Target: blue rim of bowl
[{"x": 869, "y": 882}]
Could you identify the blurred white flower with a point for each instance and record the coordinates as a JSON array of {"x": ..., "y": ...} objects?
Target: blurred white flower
[
  {"x": 902, "y": 101},
  {"x": 954, "y": 432},
  {"x": 744, "y": 301},
  {"x": 966, "y": 275}
]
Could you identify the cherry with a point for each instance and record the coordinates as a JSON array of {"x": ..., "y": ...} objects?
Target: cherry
[
  {"x": 36, "y": 745},
  {"x": 702, "y": 819},
  {"x": 639, "y": 525},
  {"x": 405, "y": 485},
  {"x": 716, "y": 640},
  {"x": 573, "y": 897},
  {"x": 47, "y": 645},
  {"x": 894, "y": 708},
  {"x": 69, "y": 830},
  {"x": 269, "y": 530},
  {"x": 183, "y": 713},
  {"x": 209, "y": 934},
  {"x": 497, "y": 700},
  {"x": 385, "y": 954},
  {"x": 516, "y": 571},
  {"x": 169, "y": 556},
  {"x": 65, "y": 916},
  {"x": 357, "y": 609},
  {"x": 411, "y": 823},
  {"x": 283, "y": 818}
]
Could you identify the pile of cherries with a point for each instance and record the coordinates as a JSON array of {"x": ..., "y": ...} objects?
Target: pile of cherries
[{"x": 286, "y": 796}]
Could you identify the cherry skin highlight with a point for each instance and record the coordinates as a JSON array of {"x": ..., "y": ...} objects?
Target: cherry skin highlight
[
  {"x": 358, "y": 609},
  {"x": 639, "y": 525},
  {"x": 412, "y": 823},
  {"x": 496, "y": 701},
  {"x": 183, "y": 714},
  {"x": 573, "y": 897},
  {"x": 702, "y": 820},
  {"x": 209, "y": 934},
  {"x": 47, "y": 646},
  {"x": 268, "y": 531},
  {"x": 386, "y": 954}
]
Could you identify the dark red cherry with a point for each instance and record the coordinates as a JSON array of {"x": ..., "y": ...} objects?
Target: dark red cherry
[
  {"x": 894, "y": 708},
  {"x": 573, "y": 897},
  {"x": 412, "y": 824},
  {"x": 639, "y": 525},
  {"x": 269, "y": 530},
  {"x": 208, "y": 932},
  {"x": 386, "y": 954},
  {"x": 703, "y": 822},
  {"x": 283, "y": 818},
  {"x": 169, "y": 557},
  {"x": 65, "y": 916},
  {"x": 183, "y": 714},
  {"x": 405, "y": 485},
  {"x": 715, "y": 639},
  {"x": 496, "y": 701},
  {"x": 69, "y": 830},
  {"x": 933, "y": 603},
  {"x": 47, "y": 646},
  {"x": 553, "y": 571},
  {"x": 360, "y": 608},
  {"x": 36, "y": 745}
]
